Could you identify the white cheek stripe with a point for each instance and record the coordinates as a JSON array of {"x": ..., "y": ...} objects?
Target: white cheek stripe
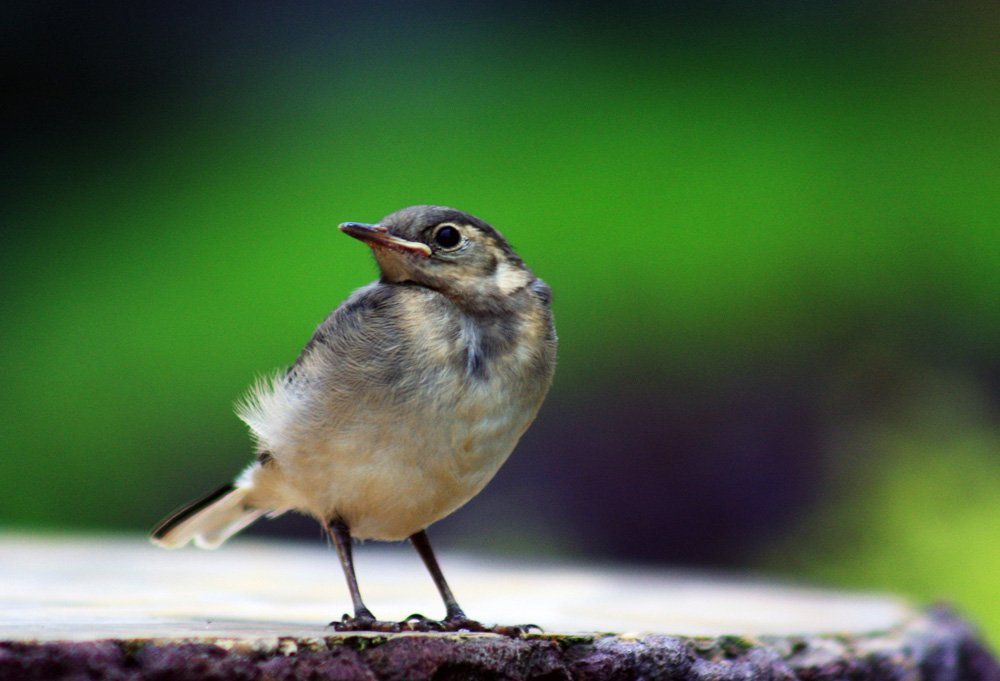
[{"x": 508, "y": 279}]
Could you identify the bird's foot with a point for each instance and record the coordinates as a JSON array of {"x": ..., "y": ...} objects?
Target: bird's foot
[
  {"x": 362, "y": 623},
  {"x": 463, "y": 623},
  {"x": 419, "y": 623}
]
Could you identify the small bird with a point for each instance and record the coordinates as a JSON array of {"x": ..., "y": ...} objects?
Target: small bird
[{"x": 404, "y": 403}]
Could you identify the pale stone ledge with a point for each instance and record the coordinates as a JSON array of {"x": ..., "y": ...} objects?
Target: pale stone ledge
[{"x": 116, "y": 607}]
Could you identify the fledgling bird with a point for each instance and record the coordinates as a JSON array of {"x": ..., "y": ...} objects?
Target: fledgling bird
[{"x": 404, "y": 403}]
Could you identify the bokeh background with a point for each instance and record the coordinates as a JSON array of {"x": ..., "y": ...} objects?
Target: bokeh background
[{"x": 771, "y": 228}]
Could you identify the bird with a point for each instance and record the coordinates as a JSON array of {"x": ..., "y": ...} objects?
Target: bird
[{"x": 402, "y": 406}]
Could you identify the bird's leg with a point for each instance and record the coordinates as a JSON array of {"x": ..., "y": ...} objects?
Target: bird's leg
[
  {"x": 342, "y": 538},
  {"x": 455, "y": 618},
  {"x": 363, "y": 619},
  {"x": 453, "y": 612}
]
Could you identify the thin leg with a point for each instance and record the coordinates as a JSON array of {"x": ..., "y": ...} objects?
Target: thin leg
[
  {"x": 342, "y": 538},
  {"x": 363, "y": 620},
  {"x": 423, "y": 546}
]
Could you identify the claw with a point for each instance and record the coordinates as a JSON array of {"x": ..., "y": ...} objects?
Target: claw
[
  {"x": 417, "y": 622},
  {"x": 515, "y": 630}
]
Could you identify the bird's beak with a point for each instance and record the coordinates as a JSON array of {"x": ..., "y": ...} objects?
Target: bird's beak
[{"x": 378, "y": 236}]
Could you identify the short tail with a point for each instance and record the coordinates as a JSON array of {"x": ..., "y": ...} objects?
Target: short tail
[{"x": 209, "y": 521}]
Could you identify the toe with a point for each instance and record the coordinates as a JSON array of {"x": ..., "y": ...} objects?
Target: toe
[{"x": 515, "y": 630}]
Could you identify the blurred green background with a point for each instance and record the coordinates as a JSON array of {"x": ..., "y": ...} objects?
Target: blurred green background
[{"x": 773, "y": 232}]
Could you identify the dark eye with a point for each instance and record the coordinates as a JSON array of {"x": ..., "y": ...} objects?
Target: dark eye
[{"x": 447, "y": 237}]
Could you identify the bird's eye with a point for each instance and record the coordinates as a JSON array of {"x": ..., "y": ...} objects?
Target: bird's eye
[{"x": 447, "y": 237}]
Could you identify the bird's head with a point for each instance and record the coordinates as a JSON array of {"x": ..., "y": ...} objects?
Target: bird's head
[{"x": 444, "y": 249}]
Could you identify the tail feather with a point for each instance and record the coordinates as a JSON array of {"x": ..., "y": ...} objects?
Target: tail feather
[{"x": 209, "y": 521}]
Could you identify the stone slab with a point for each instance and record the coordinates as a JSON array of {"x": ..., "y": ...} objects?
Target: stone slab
[{"x": 121, "y": 587}]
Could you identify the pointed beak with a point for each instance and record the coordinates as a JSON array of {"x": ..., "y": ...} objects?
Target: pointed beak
[{"x": 378, "y": 236}]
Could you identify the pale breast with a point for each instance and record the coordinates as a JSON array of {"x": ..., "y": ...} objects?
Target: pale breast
[{"x": 394, "y": 425}]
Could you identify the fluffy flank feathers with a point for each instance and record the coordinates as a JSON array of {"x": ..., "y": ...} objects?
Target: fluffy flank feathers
[{"x": 268, "y": 408}]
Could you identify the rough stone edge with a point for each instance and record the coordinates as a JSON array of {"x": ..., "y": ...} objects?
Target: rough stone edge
[{"x": 934, "y": 646}]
